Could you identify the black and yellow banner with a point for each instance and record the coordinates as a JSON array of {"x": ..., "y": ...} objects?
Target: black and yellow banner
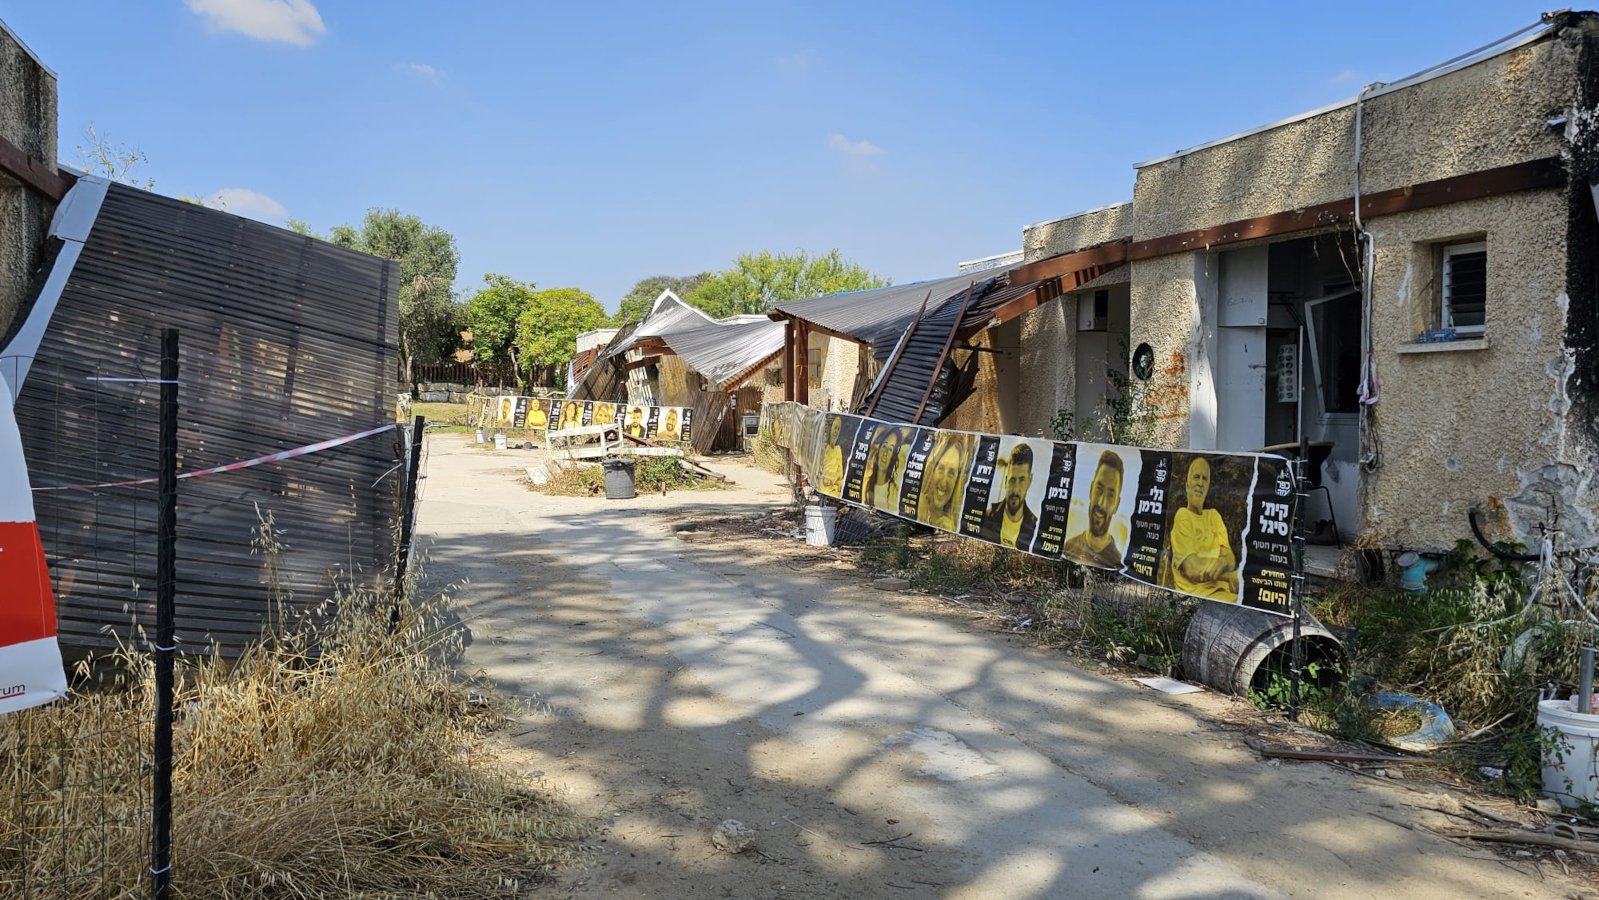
[
  {"x": 1205, "y": 523},
  {"x": 663, "y": 423}
]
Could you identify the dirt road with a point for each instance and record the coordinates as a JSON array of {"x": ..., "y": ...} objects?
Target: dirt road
[{"x": 877, "y": 748}]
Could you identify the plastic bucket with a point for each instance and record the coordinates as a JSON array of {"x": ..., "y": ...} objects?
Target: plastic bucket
[
  {"x": 1572, "y": 775},
  {"x": 819, "y": 522},
  {"x": 499, "y": 442},
  {"x": 482, "y": 436},
  {"x": 618, "y": 479}
]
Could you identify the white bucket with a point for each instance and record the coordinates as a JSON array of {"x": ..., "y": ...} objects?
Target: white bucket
[
  {"x": 499, "y": 442},
  {"x": 819, "y": 521},
  {"x": 1574, "y": 776}
]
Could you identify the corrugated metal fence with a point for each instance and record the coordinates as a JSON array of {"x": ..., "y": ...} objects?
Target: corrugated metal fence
[{"x": 286, "y": 341}]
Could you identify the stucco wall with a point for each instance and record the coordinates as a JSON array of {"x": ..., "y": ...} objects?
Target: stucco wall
[
  {"x": 832, "y": 387},
  {"x": 1493, "y": 113},
  {"x": 1464, "y": 425},
  {"x": 1164, "y": 313},
  {"x": 27, "y": 119},
  {"x": 1048, "y": 334},
  {"x": 980, "y": 411},
  {"x": 1086, "y": 229}
]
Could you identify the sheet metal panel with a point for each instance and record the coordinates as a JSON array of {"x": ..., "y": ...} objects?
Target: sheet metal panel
[
  {"x": 723, "y": 353},
  {"x": 286, "y": 341},
  {"x": 864, "y": 315}
]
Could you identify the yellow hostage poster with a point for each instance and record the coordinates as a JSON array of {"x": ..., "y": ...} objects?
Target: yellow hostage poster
[
  {"x": 1207, "y": 524},
  {"x": 669, "y": 423}
]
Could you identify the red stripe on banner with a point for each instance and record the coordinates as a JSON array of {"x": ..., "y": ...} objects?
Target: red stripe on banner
[{"x": 28, "y": 610}]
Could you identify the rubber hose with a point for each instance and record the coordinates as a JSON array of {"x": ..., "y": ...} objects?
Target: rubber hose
[{"x": 1471, "y": 516}]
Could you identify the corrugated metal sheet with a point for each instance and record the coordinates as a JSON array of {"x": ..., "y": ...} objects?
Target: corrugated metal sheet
[
  {"x": 897, "y": 396},
  {"x": 669, "y": 315},
  {"x": 726, "y": 354},
  {"x": 866, "y": 315},
  {"x": 603, "y": 381},
  {"x": 286, "y": 341}
]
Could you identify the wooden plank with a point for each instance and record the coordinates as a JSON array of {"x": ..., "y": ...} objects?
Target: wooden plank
[
  {"x": 641, "y": 363},
  {"x": 31, "y": 172}
]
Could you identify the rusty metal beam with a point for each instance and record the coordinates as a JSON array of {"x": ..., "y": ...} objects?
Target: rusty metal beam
[
  {"x": 1109, "y": 254},
  {"x": 641, "y": 363},
  {"x": 1093, "y": 261},
  {"x": 31, "y": 172}
]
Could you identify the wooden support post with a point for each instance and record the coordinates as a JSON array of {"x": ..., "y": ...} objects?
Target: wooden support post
[
  {"x": 788, "y": 360},
  {"x": 802, "y": 364}
]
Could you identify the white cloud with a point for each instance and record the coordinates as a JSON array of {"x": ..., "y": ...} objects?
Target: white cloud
[
  {"x": 248, "y": 203},
  {"x": 1348, "y": 76},
  {"x": 853, "y": 149},
  {"x": 290, "y": 21},
  {"x": 422, "y": 69}
]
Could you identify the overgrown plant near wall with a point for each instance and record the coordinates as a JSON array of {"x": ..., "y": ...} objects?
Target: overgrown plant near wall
[
  {"x": 1127, "y": 419},
  {"x": 1475, "y": 646}
]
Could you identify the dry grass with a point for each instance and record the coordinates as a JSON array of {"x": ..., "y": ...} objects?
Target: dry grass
[
  {"x": 346, "y": 761},
  {"x": 650, "y": 475}
]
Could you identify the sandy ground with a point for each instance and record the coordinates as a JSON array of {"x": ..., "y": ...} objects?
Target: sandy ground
[{"x": 878, "y": 745}]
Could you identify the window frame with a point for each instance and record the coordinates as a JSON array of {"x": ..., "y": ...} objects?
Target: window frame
[{"x": 1448, "y": 253}]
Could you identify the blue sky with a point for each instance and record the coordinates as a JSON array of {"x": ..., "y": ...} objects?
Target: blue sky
[{"x": 591, "y": 145}]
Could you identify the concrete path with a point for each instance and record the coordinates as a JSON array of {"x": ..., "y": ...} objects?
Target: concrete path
[{"x": 878, "y": 749}]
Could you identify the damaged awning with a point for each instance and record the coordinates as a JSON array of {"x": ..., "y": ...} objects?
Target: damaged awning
[
  {"x": 727, "y": 354},
  {"x": 866, "y": 316},
  {"x": 669, "y": 315}
]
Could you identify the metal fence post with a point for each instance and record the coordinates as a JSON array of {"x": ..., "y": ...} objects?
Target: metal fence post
[
  {"x": 165, "y": 614},
  {"x": 407, "y": 517}
]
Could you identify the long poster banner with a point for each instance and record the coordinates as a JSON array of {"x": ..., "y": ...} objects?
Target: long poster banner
[
  {"x": 1204, "y": 523},
  {"x": 663, "y": 423}
]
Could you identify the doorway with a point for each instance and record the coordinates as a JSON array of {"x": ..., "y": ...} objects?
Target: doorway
[{"x": 1287, "y": 359}]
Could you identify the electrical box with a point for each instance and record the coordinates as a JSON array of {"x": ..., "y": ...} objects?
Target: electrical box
[
  {"x": 1093, "y": 314},
  {"x": 1287, "y": 373}
]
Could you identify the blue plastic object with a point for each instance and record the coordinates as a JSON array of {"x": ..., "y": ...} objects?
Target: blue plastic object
[
  {"x": 1436, "y": 726},
  {"x": 1414, "y": 569}
]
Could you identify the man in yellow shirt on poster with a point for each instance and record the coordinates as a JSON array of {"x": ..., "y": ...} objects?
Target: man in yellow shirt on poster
[{"x": 1202, "y": 557}]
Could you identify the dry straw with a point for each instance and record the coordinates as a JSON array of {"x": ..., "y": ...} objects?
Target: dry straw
[{"x": 338, "y": 757}]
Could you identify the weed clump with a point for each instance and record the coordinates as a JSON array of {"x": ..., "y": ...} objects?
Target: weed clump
[
  {"x": 339, "y": 756},
  {"x": 650, "y": 475}
]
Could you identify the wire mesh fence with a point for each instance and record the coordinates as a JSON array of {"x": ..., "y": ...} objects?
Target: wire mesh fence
[
  {"x": 79, "y": 778},
  {"x": 76, "y": 773}
]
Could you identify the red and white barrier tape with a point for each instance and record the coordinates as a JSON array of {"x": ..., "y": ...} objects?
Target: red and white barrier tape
[{"x": 230, "y": 467}]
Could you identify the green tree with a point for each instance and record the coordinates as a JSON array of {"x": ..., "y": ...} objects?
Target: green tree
[
  {"x": 637, "y": 302},
  {"x": 492, "y": 314},
  {"x": 759, "y": 281},
  {"x": 430, "y": 318},
  {"x": 547, "y": 330}
]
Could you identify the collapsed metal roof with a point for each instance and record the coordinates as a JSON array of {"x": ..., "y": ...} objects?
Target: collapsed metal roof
[
  {"x": 669, "y": 315},
  {"x": 726, "y": 353},
  {"x": 866, "y": 316}
]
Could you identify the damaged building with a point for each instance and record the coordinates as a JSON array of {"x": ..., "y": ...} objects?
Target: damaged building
[{"x": 1405, "y": 281}]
